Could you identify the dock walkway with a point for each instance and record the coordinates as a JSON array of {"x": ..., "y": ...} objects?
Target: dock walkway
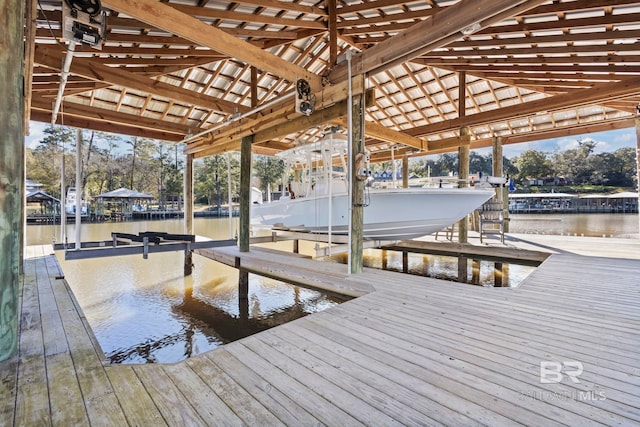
[{"x": 412, "y": 351}]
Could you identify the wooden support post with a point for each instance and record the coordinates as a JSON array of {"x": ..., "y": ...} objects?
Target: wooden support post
[
  {"x": 405, "y": 171},
  {"x": 496, "y": 144},
  {"x": 188, "y": 211},
  {"x": 405, "y": 261},
  {"x": 425, "y": 265},
  {"x": 296, "y": 246},
  {"x": 637, "y": 121},
  {"x": 463, "y": 177},
  {"x": 243, "y": 281},
  {"x": 463, "y": 263},
  {"x": 79, "y": 189},
  {"x": 502, "y": 193},
  {"x": 245, "y": 192},
  {"x": 475, "y": 271},
  {"x": 333, "y": 31},
  {"x": 11, "y": 169},
  {"x": 385, "y": 259},
  {"x": 463, "y": 158},
  {"x": 497, "y": 275},
  {"x": 357, "y": 186},
  {"x": 254, "y": 87}
]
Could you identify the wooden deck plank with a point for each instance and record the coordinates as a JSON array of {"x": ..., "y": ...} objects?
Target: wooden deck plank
[
  {"x": 99, "y": 399},
  {"x": 65, "y": 399},
  {"x": 134, "y": 399},
  {"x": 280, "y": 405},
  {"x": 364, "y": 411},
  {"x": 478, "y": 385},
  {"x": 322, "y": 409},
  {"x": 509, "y": 358},
  {"x": 574, "y": 333},
  {"x": 326, "y": 277},
  {"x": 248, "y": 409},
  {"x": 32, "y": 400},
  {"x": 174, "y": 407},
  {"x": 491, "y": 330},
  {"x": 401, "y": 403},
  {"x": 413, "y": 351},
  {"x": 204, "y": 400}
]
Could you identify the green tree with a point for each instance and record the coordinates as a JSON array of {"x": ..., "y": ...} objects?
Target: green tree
[
  {"x": 532, "y": 164},
  {"x": 210, "y": 179},
  {"x": 480, "y": 163},
  {"x": 268, "y": 170},
  {"x": 573, "y": 164},
  {"x": 446, "y": 164}
]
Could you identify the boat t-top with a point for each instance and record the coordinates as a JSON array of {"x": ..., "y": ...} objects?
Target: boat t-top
[{"x": 316, "y": 200}]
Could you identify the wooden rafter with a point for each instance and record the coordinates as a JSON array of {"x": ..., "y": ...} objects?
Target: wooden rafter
[
  {"x": 50, "y": 57},
  {"x": 154, "y": 67},
  {"x": 430, "y": 34},
  {"x": 169, "y": 19},
  {"x": 600, "y": 93}
]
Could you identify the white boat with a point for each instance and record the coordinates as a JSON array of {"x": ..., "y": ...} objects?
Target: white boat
[
  {"x": 318, "y": 202},
  {"x": 70, "y": 203}
]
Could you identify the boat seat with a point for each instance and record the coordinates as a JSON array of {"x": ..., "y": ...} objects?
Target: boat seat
[{"x": 491, "y": 213}]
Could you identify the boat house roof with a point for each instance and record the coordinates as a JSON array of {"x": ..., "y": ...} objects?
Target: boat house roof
[
  {"x": 199, "y": 71},
  {"x": 123, "y": 193},
  {"x": 541, "y": 195},
  {"x": 40, "y": 196}
]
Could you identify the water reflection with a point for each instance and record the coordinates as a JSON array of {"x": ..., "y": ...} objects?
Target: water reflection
[
  {"x": 475, "y": 272},
  {"x": 145, "y": 311},
  {"x": 592, "y": 225}
]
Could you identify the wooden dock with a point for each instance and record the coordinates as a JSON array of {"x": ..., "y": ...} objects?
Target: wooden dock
[{"x": 409, "y": 351}]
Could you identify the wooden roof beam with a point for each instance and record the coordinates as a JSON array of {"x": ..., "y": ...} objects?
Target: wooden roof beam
[
  {"x": 527, "y": 40},
  {"x": 102, "y": 126},
  {"x": 329, "y": 114},
  {"x": 73, "y": 109},
  {"x": 279, "y": 114},
  {"x": 382, "y": 133},
  {"x": 167, "y": 18},
  {"x": 521, "y": 137},
  {"x": 436, "y": 31},
  {"x": 50, "y": 57},
  {"x": 597, "y": 94}
]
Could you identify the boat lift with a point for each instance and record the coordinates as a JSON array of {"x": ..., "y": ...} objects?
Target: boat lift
[{"x": 142, "y": 243}]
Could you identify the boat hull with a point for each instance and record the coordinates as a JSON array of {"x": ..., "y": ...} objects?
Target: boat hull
[{"x": 390, "y": 214}]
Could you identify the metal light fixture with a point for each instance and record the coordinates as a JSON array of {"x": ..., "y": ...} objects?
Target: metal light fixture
[{"x": 467, "y": 31}]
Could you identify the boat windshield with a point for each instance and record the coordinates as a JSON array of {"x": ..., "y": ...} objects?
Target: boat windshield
[{"x": 318, "y": 168}]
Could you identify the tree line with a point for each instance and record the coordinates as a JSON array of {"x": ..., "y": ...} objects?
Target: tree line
[
  {"x": 576, "y": 166},
  {"x": 156, "y": 168}
]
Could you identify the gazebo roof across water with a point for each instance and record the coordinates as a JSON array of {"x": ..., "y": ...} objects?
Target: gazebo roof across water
[{"x": 124, "y": 193}]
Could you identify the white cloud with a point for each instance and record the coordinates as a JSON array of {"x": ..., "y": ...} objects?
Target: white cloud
[{"x": 36, "y": 133}]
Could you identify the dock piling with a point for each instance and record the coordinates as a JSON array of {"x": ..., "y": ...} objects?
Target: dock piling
[{"x": 188, "y": 262}]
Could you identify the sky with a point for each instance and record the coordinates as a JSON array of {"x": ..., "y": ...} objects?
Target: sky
[{"x": 608, "y": 141}]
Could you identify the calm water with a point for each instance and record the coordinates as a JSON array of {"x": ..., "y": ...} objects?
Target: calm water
[
  {"x": 594, "y": 225},
  {"x": 146, "y": 310}
]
